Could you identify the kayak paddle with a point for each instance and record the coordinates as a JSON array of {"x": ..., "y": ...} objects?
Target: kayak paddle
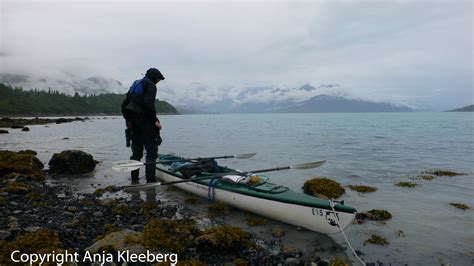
[
  {"x": 212, "y": 175},
  {"x": 130, "y": 165}
]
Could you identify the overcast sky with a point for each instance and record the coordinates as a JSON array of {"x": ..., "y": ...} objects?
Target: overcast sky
[{"x": 414, "y": 52}]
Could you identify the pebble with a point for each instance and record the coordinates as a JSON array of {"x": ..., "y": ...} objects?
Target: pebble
[
  {"x": 4, "y": 194},
  {"x": 71, "y": 208},
  {"x": 14, "y": 230},
  {"x": 291, "y": 261},
  {"x": 70, "y": 214},
  {"x": 17, "y": 212},
  {"x": 136, "y": 227},
  {"x": 13, "y": 225},
  {"x": 107, "y": 202},
  {"x": 61, "y": 196},
  {"x": 98, "y": 214},
  {"x": 4, "y": 234},
  {"x": 277, "y": 231},
  {"x": 73, "y": 223},
  {"x": 289, "y": 250},
  {"x": 31, "y": 229}
]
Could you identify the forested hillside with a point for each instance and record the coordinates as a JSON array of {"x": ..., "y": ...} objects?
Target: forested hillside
[{"x": 16, "y": 101}]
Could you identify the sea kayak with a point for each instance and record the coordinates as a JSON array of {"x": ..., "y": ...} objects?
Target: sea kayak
[{"x": 266, "y": 199}]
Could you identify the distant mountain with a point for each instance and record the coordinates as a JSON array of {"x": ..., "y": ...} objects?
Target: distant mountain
[
  {"x": 261, "y": 107},
  {"x": 469, "y": 108},
  {"x": 336, "y": 104},
  {"x": 302, "y": 99},
  {"x": 318, "y": 104},
  {"x": 222, "y": 106},
  {"x": 187, "y": 110},
  {"x": 98, "y": 85}
]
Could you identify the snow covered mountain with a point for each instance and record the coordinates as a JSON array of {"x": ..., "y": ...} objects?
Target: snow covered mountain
[{"x": 305, "y": 99}]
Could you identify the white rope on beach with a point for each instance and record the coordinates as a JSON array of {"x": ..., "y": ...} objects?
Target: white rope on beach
[{"x": 332, "y": 202}]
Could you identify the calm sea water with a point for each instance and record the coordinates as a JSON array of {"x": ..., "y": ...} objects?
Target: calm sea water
[{"x": 377, "y": 149}]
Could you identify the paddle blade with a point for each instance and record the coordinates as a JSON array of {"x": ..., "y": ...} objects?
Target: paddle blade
[
  {"x": 126, "y": 165},
  {"x": 122, "y": 162},
  {"x": 140, "y": 187},
  {"x": 307, "y": 165},
  {"x": 244, "y": 156}
]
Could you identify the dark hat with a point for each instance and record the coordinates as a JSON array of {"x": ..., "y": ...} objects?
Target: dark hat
[{"x": 154, "y": 75}]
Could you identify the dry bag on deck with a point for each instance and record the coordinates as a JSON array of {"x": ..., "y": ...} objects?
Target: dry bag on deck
[{"x": 190, "y": 169}]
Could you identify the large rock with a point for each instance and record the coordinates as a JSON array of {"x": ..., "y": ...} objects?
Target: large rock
[
  {"x": 323, "y": 187},
  {"x": 119, "y": 241},
  {"x": 23, "y": 162},
  {"x": 71, "y": 162}
]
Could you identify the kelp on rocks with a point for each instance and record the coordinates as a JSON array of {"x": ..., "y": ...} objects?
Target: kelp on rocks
[
  {"x": 253, "y": 220},
  {"x": 461, "y": 206},
  {"x": 406, "y": 184},
  {"x": 72, "y": 162},
  {"x": 149, "y": 209},
  {"x": 336, "y": 261},
  {"x": 362, "y": 188},
  {"x": 375, "y": 215},
  {"x": 170, "y": 235},
  {"x": 323, "y": 186},
  {"x": 42, "y": 241},
  {"x": 440, "y": 172},
  {"x": 23, "y": 164},
  {"x": 223, "y": 239},
  {"x": 218, "y": 209},
  {"x": 377, "y": 240}
]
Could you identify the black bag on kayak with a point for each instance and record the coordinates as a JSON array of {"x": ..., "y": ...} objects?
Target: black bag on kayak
[{"x": 189, "y": 170}]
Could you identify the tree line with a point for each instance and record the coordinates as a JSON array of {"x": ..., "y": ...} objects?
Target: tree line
[{"x": 16, "y": 101}]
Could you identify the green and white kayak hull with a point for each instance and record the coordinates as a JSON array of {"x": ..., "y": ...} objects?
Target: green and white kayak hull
[{"x": 272, "y": 201}]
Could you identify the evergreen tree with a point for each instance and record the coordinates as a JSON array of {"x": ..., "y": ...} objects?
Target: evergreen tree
[{"x": 16, "y": 101}]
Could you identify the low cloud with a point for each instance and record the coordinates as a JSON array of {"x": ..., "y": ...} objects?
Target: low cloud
[{"x": 419, "y": 53}]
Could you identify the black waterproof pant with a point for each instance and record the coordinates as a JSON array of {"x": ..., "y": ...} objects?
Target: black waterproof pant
[{"x": 144, "y": 135}]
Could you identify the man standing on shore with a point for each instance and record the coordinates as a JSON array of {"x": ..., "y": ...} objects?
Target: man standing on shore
[{"x": 139, "y": 112}]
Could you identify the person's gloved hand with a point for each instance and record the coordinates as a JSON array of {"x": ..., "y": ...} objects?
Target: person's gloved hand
[{"x": 158, "y": 125}]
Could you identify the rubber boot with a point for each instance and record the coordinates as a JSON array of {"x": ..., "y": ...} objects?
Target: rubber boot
[
  {"x": 150, "y": 173},
  {"x": 134, "y": 175}
]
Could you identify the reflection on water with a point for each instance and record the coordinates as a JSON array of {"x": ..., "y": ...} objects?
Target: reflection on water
[{"x": 377, "y": 149}]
